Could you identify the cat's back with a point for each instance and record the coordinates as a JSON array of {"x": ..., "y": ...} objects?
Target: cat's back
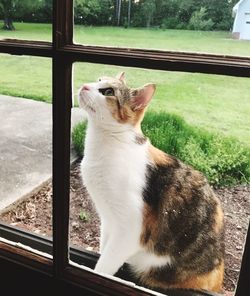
[
  {"x": 183, "y": 220},
  {"x": 180, "y": 200},
  {"x": 170, "y": 182}
]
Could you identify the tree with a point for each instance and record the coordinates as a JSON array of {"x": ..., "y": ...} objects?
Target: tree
[
  {"x": 199, "y": 21},
  {"x": 94, "y": 12},
  {"x": 148, "y": 9},
  {"x": 14, "y": 8},
  {"x": 173, "y": 14},
  {"x": 118, "y": 11},
  {"x": 44, "y": 13},
  {"x": 220, "y": 13},
  {"x": 129, "y": 12}
]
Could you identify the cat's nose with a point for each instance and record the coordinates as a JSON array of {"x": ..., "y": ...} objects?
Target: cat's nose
[{"x": 85, "y": 87}]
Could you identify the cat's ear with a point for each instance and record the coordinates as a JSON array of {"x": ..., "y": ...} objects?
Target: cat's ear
[
  {"x": 142, "y": 96},
  {"x": 121, "y": 76}
]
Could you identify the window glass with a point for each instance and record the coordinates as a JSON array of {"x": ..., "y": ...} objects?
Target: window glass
[
  {"x": 29, "y": 19},
  {"x": 197, "y": 118},
  {"x": 26, "y": 143},
  {"x": 193, "y": 26}
]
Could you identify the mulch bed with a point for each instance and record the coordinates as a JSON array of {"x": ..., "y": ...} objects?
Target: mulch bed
[{"x": 34, "y": 214}]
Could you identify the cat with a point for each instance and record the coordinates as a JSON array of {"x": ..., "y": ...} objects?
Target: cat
[{"x": 157, "y": 214}]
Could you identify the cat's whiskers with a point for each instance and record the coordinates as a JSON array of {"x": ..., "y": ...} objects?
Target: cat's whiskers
[
  {"x": 91, "y": 104},
  {"x": 95, "y": 106}
]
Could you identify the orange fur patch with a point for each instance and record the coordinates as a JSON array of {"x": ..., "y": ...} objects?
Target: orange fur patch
[
  {"x": 219, "y": 219},
  {"x": 211, "y": 281},
  {"x": 150, "y": 228},
  {"x": 159, "y": 157},
  {"x": 124, "y": 114}
]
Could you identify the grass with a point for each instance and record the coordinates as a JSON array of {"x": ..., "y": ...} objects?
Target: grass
[
  {"x": 29, "y": 31},
  {"x": 78, "y": 136},
  {"x": 223, "y": 160},
  {"x": 177, "y": 40},
  {"x": 83, "y": 216},
  {"x": 27, "y": 77}
]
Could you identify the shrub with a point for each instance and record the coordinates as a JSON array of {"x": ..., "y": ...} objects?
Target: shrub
[
  {"x": 182, "y": 26},
  {"x": 223, "y": 160},
  {"x": 198, "y": 21},
  {"x": 78, "y": 136},
  {"x": 224, "y": 25},
  {"x": 169, "y": 23}
]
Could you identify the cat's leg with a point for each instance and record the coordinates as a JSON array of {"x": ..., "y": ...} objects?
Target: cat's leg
[
  {"x": 104, "y": 237},
  {"x": 119, "y": 247}
]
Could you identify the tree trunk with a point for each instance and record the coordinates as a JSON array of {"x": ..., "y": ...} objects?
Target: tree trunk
[
  {"x": 149, "y": 21},
  {"x": 8, "y": 24},
  {"x": 119, "y": 12},
  {"x": 129, "y": 12}
]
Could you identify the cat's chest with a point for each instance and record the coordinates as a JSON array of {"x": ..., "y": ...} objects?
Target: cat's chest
[{"x": 113, "y": 167}]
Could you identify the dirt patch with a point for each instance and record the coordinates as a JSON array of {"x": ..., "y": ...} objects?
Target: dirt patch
[{"x": 34, "y": 214}]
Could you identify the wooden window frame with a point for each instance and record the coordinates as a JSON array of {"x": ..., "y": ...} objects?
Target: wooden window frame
[{"x": 63, "y": 52}]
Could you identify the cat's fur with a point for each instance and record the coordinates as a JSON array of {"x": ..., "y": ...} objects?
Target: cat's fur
[{"x": 157, "y": 214}]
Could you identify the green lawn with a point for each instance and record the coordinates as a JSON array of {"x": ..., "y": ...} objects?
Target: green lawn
[
  {"x": 216, "y": 103},
  {"x": 28, "y": 31}
]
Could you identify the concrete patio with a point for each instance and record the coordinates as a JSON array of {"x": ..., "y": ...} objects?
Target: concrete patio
[{"x": 25, "y": 146}]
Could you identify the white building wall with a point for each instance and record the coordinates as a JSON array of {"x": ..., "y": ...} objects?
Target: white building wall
[
  {"x": 241, "y": 28},
  {"x": 245, "y": 32}
]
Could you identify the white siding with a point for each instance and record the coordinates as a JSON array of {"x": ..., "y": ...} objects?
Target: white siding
[
  {"x": 242, "y": 20},
  {"x": 245, "y": 31}
]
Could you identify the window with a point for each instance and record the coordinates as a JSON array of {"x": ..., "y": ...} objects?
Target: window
[
  {"x": 26, "y": 137},
  {"x": 63, "y": 54}
]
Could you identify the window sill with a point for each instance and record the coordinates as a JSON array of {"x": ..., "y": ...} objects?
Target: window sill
[{"x": 77, "y": 276}]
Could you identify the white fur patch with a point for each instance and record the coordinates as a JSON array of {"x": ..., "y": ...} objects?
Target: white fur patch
[
  {"x": 114, "y": 172},
  {"x": 143, "y": 261}
]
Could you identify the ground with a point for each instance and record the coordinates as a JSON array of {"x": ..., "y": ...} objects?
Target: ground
[{"x": 34, "y": 214}]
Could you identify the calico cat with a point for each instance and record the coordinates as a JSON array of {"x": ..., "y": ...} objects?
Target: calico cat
[{"x": 157, "y": 214}]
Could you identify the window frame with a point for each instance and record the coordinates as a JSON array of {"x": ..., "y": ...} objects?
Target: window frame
[{"x": 64, "y": 53}]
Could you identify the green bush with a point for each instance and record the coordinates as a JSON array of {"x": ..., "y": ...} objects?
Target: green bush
[
  {"x": 78, "y": 136},
  {"x": 169, "y": 23},
  {"x": 198, "y": 21},
  {"x": 223, "y": 160}
]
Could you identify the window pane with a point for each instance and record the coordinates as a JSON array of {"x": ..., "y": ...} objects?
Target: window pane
[
  {"x": 197, "y": 118},
  {"x": 26, "y": 143},
  {"x": 175, "y": 25},
  {"x": 29, "y": 20}
]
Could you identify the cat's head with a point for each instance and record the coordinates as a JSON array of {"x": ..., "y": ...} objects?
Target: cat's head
[{"x": 110, "y": 101}]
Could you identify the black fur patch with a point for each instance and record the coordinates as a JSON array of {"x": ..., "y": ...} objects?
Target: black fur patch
[
  {"x": 140, "y": 139},
  {"x": 159, "y": 178},
  {"x": 147, "y": 235},
  {"x": 185, "y": 207}
]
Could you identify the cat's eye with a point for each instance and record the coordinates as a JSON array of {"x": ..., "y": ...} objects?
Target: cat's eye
[{"x": 107, "y": 91}]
